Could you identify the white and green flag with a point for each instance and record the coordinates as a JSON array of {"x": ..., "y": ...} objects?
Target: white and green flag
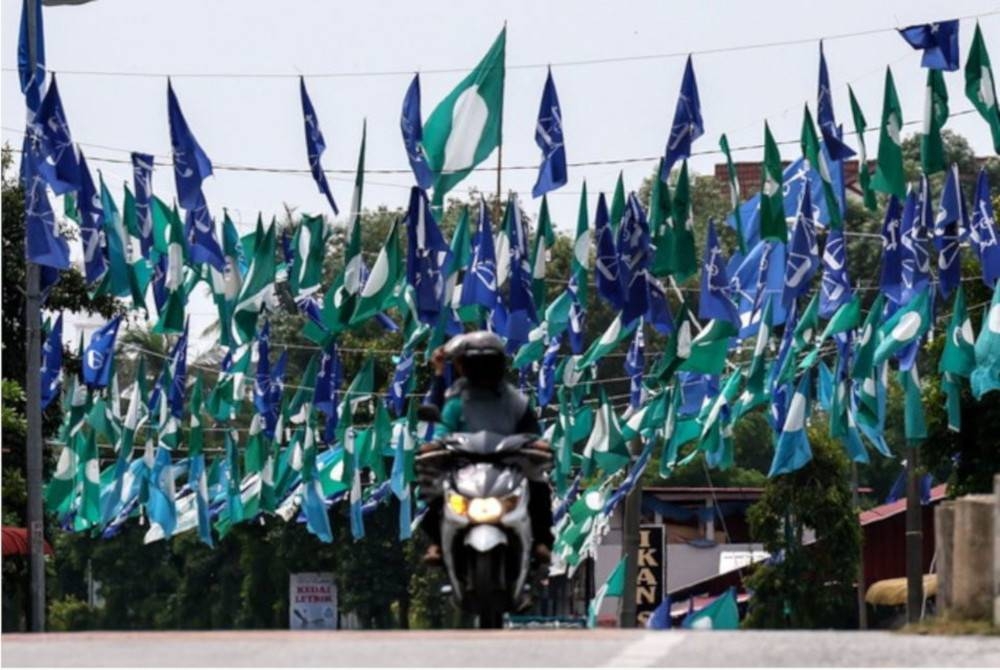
[{"x": 465, "y": 127}]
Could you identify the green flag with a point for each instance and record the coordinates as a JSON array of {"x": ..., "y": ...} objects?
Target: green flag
[
  {"x": 817, "y": 161},
  {"x": 352, "y": 252},
  {"x": 685, "y": 261},
  {"x": 914, "y": 425},
  {"x": 867, "y": 342},
  {"x": 772, "y": 206},
  {"x": 614, "y": 587},
  {"x": 117, "y": 245},
  {"x": 618, "y": 204},
  {"x": 932, "y": 158},
  {"x": 889, "y": 175},
  {"x": 544, "y": 239},
  {"x": 907, "y": 325},
  {"x": 721, "y": 614},
  {"x": 378, "y": 291},
  {"x": 466, "y": 126},
  {"x": 257, "y": 292},
  {"x": 581, "y": 248},
  {"x": 612, "y": 337},
  {"x": 734, "y": 191},
  {"x": 605, "y": 444},
  {"x": 310, "y": 250},
  {"x": 461, "y": 258},
  {"x": 986, "y": 376},
  {"x": 959, "y": 355},
  {"x": 88, "y": 514},
  {"x": 979, "y": 86},
  {"x": 864, "y": 174},
  {"x": 171, "y": 318},
  {"x": 661, "y": 226}
]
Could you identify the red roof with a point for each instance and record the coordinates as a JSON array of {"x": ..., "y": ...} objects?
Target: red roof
[
  {"x": 15, "y": 542},
  {"x": 898, "y": 507}
]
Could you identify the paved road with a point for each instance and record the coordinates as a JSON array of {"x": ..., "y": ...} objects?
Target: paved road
[{"x": 551, "y": 648}]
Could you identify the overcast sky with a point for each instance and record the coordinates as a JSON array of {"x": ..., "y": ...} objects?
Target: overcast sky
[{"x": 612, "y": 110}]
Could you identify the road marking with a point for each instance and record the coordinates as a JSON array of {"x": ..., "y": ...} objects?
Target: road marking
[{"x": 646, "y": 650}]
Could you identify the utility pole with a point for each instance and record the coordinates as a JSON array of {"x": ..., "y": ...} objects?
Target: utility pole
[
  {"x": 855, "y": 504},
  {"x": 33, "y": 401},
  {"x": 914, "y": 538},
  {"x": 627, "y": 612}
]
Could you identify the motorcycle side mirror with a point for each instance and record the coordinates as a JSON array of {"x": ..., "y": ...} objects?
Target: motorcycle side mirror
[{"x": 429, "y": 414}]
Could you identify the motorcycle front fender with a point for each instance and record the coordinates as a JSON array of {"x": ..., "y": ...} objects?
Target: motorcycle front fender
[{"x": 485, "y": 537}]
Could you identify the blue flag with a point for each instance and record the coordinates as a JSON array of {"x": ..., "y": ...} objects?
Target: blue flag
[
  {"x": 91, "y": 225},
  {"x": 401, "y": 381},
  {"x": 262, "y": 379},
  {"x": 547, "y": 372},
  {"x": 803, "y": 252},
  {"x": 178, "y": 376},
  {"x": 634, "y": 257},
  {"x": 549, "y": 138},
  {"x": 521, "y": 314},
  {"x": 890, "y": 278},
  {"x": 191, "y": 164},
  {"x": 714, "y": 303},
  {"x": 983, "y": 232},
  {"x": 31, "y": 80},
  {"x": 914, "y": 259},
  {"x": 61, "y": 167},
  {"x": 199, "y": 229},
  {"x": 658, "y": 310},
  {"x": 835, "y": 290},
  {"x": 413, "y": 135},
  {"x": 687, "y": 125},
  {"x": 142, "y": 179},
  {"x": 950, "y": 228},
  {"x": 635, "y": 365},
  {"x": 824, "y": 114},
  {"x": 606, "y": 270},
  {"x": 315, "y": 145},
  {"x": 747, "y": 278},
  {"x": 660, "y": 618},
  {"x": 480, "y": 284},
  {"x": 52, "y": 363},
  {"x": 274, "y": 395},
  {"x": 428, "y": 257},
  {"x": 160, "y": 293},
  {"x": 939, "y": 42},
  {"x": 43, "y": 243},
  {"x": 98, "y": 358}
]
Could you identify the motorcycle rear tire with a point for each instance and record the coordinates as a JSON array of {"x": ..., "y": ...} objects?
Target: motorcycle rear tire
[{"x": 490, "y": 594}]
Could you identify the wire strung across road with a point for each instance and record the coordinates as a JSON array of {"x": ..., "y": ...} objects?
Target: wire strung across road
[{"x": 517, "y": 66}]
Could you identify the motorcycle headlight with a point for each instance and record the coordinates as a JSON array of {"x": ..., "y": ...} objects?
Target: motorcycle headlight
[
  {"x": 485, "y": 510},
  {"x": 458, "y": 503}
]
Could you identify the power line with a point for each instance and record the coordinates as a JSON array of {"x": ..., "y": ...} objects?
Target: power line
[
  {"x": 229, "y": 167},
  {"x": 583, "y": 62}
]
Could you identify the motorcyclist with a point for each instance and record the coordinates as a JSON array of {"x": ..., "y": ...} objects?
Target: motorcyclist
[{"x": 481, "y": 399}]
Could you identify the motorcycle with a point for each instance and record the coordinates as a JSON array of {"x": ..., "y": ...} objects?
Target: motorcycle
[{"x": 486, "y": 538}]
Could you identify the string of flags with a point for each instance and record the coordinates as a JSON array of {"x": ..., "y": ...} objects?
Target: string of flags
[{"x": 784, "y": 296}]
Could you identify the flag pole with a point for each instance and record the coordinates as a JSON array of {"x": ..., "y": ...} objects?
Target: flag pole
[
  {"x": 862, "y": 607},
  {"x": 497, "y": 207},
  {"x": 914, "y": 537},
  {"x": 33, "y": 400}
]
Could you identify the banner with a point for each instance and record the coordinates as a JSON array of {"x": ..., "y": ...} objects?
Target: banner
[
  {"x": 312, "y": 601},
  {"x": 651, "y": 575}
]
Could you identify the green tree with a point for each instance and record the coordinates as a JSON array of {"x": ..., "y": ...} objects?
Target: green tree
[{"x": 806, "y": 586}]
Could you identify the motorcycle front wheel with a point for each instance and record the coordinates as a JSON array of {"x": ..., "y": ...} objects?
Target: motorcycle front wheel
[{"x": 488, "y": 585}]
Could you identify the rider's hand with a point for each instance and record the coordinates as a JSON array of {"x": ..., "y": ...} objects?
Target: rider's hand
[
  {"x": 541, "y": 445},
  {"x": 438, "y": 360}
]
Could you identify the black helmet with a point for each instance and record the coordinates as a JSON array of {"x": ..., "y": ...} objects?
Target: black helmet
[{"x": 482, "y": 357}]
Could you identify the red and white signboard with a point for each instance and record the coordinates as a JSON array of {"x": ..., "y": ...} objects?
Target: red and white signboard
[{"x": 312, "y": 601}]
